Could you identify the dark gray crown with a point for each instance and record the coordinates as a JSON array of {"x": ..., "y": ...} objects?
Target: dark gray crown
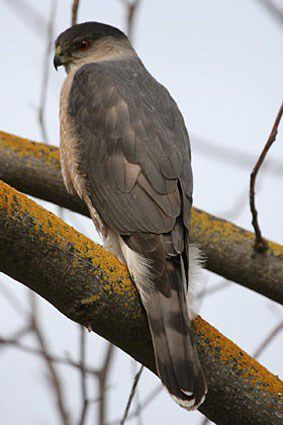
[{"x": 89, "y": 30}]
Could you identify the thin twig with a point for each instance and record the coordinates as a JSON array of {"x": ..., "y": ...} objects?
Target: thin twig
[
  {"x": 84, "y": 412},
  {"x": 45, "y": 80},
  {"x": 28, "y": 15},
  {"x": 54, "y": 377},
  {"x": 131, "y": 396},
  {"x": 207, "y": 291},
  {"x": 260, "y": 244},
  {"x": 137, "y": 396},
  {"x": 46, "y": 68},
  {"x": 16, "y": 336},
  {"x": 233, "y": 157},
  {"x": 275, "y": 309},
  {"x": 278, "y": 328},
  {"x": 65, "y": 361},
  {"x": 143, "y": 405},
  {"x": 219, "y": 286},
  {"x": 84, "y": 397},
  {"x": 131, "y": 9},
  {"x": 131, "y": 13},
  {"x": 236, "y": 209},
  {"x": 12, "y": 300},
  {"x": 102, "y": 381},
  {"x": 274, "y": 9},
  {"x": 147, "y": 401},
  {"x": 75, "y": 8}
]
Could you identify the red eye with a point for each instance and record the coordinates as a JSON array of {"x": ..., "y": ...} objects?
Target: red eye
[{"x": 85, "y": 45}]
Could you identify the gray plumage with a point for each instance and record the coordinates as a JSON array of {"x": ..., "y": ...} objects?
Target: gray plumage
[
  {"x": 134, "y": 156},
  {"x": 133, "y": 139}
]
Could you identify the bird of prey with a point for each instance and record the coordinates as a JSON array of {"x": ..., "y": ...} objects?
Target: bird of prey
[{"x": 125, "y": 151}]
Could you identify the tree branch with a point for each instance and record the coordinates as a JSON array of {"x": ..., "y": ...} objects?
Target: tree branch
[
  {"x": 103, "y": 376},
  {"x": 53, "y": 376},
  {"x": 267, "y": 340},
  {"x": 233, "y": 157},
  {"x": 15, "y": 341},
  {"x": 131, "y": 10},
  {"x": 34, "y": 168},
  {"x": 84, "y": 392},
  {"x": 274, "y": 9},
  {"x": 75, "y": 9},
  {"x": 132, "y": 395},
  {"x": 91, "y": 287},
  {"x": 261, "y": 244},
  {"x": 46, "y": 69},
  {"x": 28, "y": 15}
]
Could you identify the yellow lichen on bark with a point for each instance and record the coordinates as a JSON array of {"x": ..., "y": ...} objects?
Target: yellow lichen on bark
[
  {"x": 27, "y": 148},
  {"x": 220, "y": 230},
  {"x": 249, "y": 369},
  {"x": 235, "y": 375},
  {"x": 46, "y": 225}
]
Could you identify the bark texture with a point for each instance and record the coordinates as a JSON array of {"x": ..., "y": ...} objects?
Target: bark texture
[
  {"x": 34, "y": 168},
  {"x": 91, "y": 287}
]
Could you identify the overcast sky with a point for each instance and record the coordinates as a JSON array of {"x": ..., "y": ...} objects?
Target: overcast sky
[{"x": 222, "y": 61}]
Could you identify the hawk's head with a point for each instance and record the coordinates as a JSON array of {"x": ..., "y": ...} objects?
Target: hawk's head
[{"x": 88, "y": 42}]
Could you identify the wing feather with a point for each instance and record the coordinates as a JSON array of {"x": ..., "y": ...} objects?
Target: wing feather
[{"x": 134, "y": 147}]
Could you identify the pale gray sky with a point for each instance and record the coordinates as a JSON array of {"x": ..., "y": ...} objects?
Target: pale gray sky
[{"x": 223, "y": 63}]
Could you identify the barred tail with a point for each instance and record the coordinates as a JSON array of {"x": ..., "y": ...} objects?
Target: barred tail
[
  {"x": 162, "y": 284},
  {"x": 176, "y": 356}
]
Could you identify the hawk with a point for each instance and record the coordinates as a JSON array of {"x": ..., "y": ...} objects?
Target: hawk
[{"x": 125, "y": 151}]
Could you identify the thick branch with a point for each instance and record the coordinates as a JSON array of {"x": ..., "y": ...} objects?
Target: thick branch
[
  {"x": 34, "y": 168},
  {"x": 91, "y": 287}
]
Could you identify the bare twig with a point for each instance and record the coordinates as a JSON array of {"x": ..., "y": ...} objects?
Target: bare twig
[
  {"x": 46, "y": 68},
  {"x": 278, "y": 328},
  {"x": 275, "y": 310},
  {"x": 84, "y": 412},
  {"x": 143, "y": 405},
  {"x": 16, "y": 337},
  {"x": 273, "y": 9},
  {"x": 207, "y": 291},
  {"x": 12, "y": 300},
  {"x": 28, "y": 15},
  {"x": 260, "y": 244},
  {"x": 222, "y": 284},
  {"x": 75, "y": 8},
  {"x": 205, "y": 421},
  {"x": 45, "y": 79},
  {"x": 131, "y": 9},
  {"x": 236, "y": 209},
  {"x": 147, "y": 401},
  {"x": 233, "y": 157},
  {"x": 137, "y": 395},
  {"x": 54, "y": 378},
  {"x": 131, "y": 13},
  {"x": 14, "y": 341},
  {"x": 102, "y": 381},
  {"x": 84, "y": 397},
  {"x": 131, "y": 396}
]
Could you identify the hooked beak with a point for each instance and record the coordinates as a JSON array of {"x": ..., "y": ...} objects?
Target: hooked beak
[
  {"x": 58, "y": 58},
  {"x": 56, "y": 62}
]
